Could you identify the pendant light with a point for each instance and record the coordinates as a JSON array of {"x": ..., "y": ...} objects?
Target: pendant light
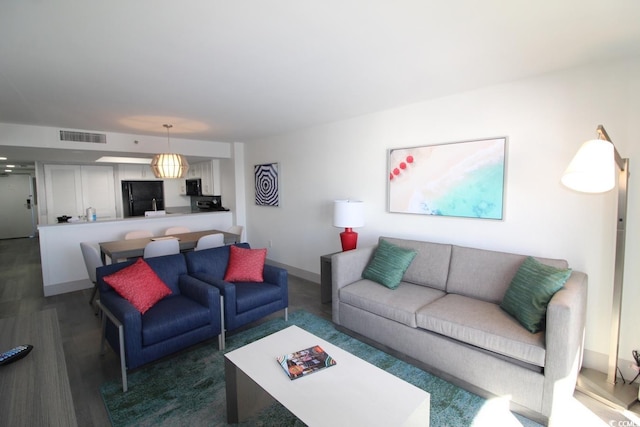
[{"x": 169, "y": 165}]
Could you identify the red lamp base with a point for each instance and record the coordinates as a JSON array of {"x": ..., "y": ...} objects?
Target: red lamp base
[{"x": 349, "y": 239}]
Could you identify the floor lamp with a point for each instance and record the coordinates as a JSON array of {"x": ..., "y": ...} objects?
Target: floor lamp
[{"x": 593, "y": 170}]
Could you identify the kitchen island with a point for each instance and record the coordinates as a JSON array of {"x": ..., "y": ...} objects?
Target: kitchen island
[{"x": 63, "y": 268}]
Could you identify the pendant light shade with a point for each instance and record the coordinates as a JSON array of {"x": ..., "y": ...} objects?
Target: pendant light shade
[{"x": 169, "y": 165}]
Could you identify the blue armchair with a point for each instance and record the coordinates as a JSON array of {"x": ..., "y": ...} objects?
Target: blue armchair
[
  {"x": 191, "y": 314},
  {"x": 244, "y": 302}
]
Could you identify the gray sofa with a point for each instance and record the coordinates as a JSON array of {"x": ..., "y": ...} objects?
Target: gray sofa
[{"x": 446, "y": 314}]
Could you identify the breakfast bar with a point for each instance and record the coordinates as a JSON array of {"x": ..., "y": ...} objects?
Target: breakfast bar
[{"x": 63, "y": 268}]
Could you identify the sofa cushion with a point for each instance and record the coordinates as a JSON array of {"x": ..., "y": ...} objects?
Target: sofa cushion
[
  {"x": 430, "y": 267},
  {"x": 398, "y": 304},
  {"x": 139, "y": 285},
  {"x": 172, "y": 317},
  {"x": 484, "y": 274},
  {"x": 482, "y": 324},
  {"x": 245, "y": 265},
  {"x": 388, "y": 264},
  {"x": 530, "y": 292}
]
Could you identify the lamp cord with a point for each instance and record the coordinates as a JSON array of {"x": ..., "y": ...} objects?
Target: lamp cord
[{"x": 168, "y": 126}]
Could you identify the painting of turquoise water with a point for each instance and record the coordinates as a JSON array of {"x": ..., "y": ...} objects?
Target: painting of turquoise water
[{"x": 462, "y": 179}]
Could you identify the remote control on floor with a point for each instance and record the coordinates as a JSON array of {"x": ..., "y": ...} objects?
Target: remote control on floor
[{"x": 14, "y": 354}]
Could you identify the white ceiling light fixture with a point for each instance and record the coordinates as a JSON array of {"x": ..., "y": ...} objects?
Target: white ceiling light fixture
[
  {"x": 128, "y": 160},
  {"x": 169, "y": 165}
]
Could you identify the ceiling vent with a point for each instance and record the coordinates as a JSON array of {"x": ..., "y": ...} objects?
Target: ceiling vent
[{"x": 95, "y": 138}]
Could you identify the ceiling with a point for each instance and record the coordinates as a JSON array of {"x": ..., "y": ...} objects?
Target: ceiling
[{"x": 240, "y": 70}]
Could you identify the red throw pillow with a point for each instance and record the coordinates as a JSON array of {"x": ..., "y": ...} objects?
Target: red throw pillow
[
  {"x": 139, "y": 285},
  {"x": 245, "y": 265}
]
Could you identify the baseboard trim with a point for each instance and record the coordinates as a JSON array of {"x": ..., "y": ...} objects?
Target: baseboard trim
[
  {"x": 303, "y": 274},
  {"x": 63, "y": 288}
]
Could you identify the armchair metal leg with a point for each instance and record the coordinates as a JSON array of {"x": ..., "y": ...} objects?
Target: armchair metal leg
[
  {"x": 286, "y": 314},
  {"x": 221, "y": 337},
  {"x": 123, "y": 365}
]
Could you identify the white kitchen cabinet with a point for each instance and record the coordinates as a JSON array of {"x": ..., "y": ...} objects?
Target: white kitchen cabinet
[
  {"x": 194, "y": 170},
  {"x": 63, "y": 191},
  {"x": 98, "y": 190},
  {"x": 210, "y": 176},
  {"x": 71, "y": 189},
  {"x": 206, "y": 174},
  {"x": 128, "y": 172}
]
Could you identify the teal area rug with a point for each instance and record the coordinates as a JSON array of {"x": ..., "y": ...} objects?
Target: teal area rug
[{"x": 189, "y": 389}]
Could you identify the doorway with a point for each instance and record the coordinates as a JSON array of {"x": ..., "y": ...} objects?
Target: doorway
[{"x": 17, "y": 214}]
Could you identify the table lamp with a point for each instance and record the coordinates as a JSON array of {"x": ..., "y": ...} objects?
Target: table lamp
[{"x": 348, "y": 214}]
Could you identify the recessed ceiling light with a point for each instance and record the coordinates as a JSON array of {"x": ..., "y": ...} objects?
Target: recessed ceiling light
[
  {"x": 131, "y": 160},
  {"x": 8, "y": 170},
  {"x": 10, "y": 166},
  {"x": 3, "y": 158}
]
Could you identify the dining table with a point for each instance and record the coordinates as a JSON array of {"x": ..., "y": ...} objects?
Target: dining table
[{"x": 133, "y": 248}]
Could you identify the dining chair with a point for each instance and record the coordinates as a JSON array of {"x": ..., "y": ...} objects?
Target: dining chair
[
  {"x": 236, "y": 229},
  {"x": 161, "y": 247},
  {"x": 210, "y": 241},
  {"x": 176, "y": 230},
  {"x": 138, "y": 234},
  {"x": 92, "y": 260}
]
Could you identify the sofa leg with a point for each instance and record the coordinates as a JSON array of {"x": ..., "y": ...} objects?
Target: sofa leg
[
  {"x": 123, "y": 366},
  {"x": 286, "y": 314},
  {"x": 221, "y": 337}
]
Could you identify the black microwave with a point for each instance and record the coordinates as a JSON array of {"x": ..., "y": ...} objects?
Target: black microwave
[{"x": 194, "y": 187}]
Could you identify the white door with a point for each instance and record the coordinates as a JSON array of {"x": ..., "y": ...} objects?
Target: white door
[{"x": 16, "y": 209}]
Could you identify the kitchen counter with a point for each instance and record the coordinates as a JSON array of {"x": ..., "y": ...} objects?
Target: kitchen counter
[
  {"x": 63, "y": 268},
  {"x": 172, "y": 214}
]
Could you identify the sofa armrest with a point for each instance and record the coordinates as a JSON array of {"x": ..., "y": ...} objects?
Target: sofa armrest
[
  {"x": 275, "y": 275},
  {"x": 564, "y": 335},
  {"x": 199, "y": 291},
  {"x": 346, "y": 268}
]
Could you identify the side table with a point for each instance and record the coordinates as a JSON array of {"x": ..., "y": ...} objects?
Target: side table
[{"x": 325, "y": 278}]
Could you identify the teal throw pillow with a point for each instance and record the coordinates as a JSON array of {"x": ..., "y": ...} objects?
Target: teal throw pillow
[
  {"x": 530, "y": 292},
  {"x": 388, "y": 264}
]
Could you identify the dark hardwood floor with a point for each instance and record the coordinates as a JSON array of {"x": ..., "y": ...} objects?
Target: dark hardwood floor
[{"x": 21, "y": 293}]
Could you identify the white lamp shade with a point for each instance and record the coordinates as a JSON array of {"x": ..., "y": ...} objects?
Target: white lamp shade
[
  {"x": 348, "y": 213},
  {"x": 593, "y": 168},
  {"x": 169, "y": 165}
]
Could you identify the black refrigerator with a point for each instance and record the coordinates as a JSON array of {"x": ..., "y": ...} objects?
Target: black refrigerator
[{"x": 141, "y": 196}]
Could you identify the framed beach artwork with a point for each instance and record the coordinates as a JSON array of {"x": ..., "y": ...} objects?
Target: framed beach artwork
[
  {"x": 460, "y": 179},
  {"x": 267, "y": 184}
]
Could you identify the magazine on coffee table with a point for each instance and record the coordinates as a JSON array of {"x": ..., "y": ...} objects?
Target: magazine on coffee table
[{"x": 305, "y": 362}]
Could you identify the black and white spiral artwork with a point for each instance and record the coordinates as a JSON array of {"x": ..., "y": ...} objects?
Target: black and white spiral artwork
[{"x": 266, "y": 177}]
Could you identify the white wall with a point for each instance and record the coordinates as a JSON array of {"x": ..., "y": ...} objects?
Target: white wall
[{"x": 545, "y": 118}]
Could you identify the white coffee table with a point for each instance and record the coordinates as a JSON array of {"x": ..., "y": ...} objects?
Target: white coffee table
[{"x": 351, "y": 393}]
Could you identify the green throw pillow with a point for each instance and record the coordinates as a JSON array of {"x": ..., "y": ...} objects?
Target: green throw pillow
[
  {"x": 530, "y": 292},
  {"x": 388, "y": 264}
]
